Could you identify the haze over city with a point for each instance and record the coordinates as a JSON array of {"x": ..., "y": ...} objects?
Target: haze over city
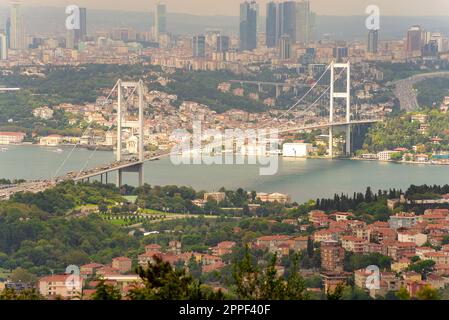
[{"x": 230, "y": 7}]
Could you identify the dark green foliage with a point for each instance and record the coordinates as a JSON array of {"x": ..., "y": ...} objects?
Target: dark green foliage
[
  {"x": 29, "y": 294},
  {"x": 67, "y": 195},
  {"x": 354, "y": 262},
  {"x": 424, "y": 267},
  {"x": 251, "y": 283},
  {"x": 105, "y": 291},
  {"x": 431, "y": 92},
  {"x": 39, "y": 242},
  {"x": 162, "y": 282}
]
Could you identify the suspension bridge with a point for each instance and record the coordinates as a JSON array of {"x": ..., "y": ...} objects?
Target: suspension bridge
[{"x": 126, "y": 91}]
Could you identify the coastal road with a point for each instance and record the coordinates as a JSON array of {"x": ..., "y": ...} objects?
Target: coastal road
[{"x": 407, "y": 95}]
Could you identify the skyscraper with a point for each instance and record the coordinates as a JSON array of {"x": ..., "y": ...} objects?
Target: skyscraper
[
  {"x": 304, "y": 22},
  {"x": 285, "y": 47},
  {"x": 430, "y": 49},
  {"x": 222, "y": 43},
  {"x": 373, "y": 41},
  {"x": 438, "y": 37},
  {"x": 70, "y": 39},
  {"x": 287, "y": 19},
  {"x": 414, "y": 40},
  {"x": 3, "y": 46},
  {"x": 271, "y": 25},
  {"x": 8, "y": 32},
  {"x": 199, "y": 46},
  {"x": 292, "y": 18},
  {"x": 248, "y": 25},
  {"x": 340, "y": 53},
  {"x": 75, "y": 36},
  {"x": 160, "y": 19},
  {"x": 17, "y": 40},
  {"x": 82, "y": 32}
]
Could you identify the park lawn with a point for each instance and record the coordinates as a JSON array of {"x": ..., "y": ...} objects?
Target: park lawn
[
  {"x": 118, "y": 222},
  {"x": 156, "y": 212}
]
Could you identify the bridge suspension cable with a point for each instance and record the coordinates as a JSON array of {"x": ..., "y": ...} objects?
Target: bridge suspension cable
[
  {"x": 263, "y": 126},
  {"x": 303, "y": 97},
  {"x": 109, "y": 129},
  {"x": 85, "y": 131},
  {"x": 239, "y": 139}
]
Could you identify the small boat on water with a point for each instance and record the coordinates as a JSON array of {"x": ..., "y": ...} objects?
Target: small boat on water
[{"x": 3, "y": 149}]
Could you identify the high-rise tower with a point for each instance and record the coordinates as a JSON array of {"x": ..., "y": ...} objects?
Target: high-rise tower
[
  {"x": 373, "y": 41},
  {"x": 160, "y": 19},
  {"x": 271, "y": 25},
  {"x": 17, "y": 40},
  {"x": 248, "y": 25}
]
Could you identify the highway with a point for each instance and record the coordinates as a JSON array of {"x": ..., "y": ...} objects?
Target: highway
[{"x": 407, "y": 95}]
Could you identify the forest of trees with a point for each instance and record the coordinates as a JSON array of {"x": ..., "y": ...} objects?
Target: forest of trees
[
  {"x": 68, "y": 195},
  {"x": 400, "y": 131},
  {"x": 431, "y": 92}
]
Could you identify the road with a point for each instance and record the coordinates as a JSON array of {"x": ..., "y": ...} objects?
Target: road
[{"x": 407, "y": 95}]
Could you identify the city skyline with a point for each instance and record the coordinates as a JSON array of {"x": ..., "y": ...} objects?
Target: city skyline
[{"x": 231, "y": 7}]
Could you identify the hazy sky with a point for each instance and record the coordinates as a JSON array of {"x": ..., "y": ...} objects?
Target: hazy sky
[{"x": 231, "y": 7}]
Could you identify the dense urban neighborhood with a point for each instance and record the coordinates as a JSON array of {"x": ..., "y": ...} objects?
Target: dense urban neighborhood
[{"x": 403, "y": 234}]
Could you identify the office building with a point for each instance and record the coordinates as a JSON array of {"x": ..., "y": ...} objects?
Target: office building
[
  {"x": 199, "y": 46},
  {"x": 82, "y": 32},
  {"x": 341, "y": 53},
  {"x": 160, "y": 20},
  {"x": 285, "y": 47},
  {"x": 3, "y": 46},
  {"x": 75, "y": 36},
  {"x": 70, "y": 39},
  {"x": 271, "y": 32},
  {"x": 373, "y": 41},
  {"x": 222, "y": 43},
  {"x": 8, "y": 32},
  {"x": 305, "y": 21},
  {"x": 438, "y": 38},
  {"x": 414, "y": 41},
  {"x": 17, "y": 40},
  {"x": 248, "y": 25},
  {"x": 430, "y": 49},
  {"x": 289, "y": 18}
]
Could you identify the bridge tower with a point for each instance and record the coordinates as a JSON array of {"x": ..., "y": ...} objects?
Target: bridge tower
[
  {"x": 135, "y": 126},
  {"x": 345, "y": 95}
]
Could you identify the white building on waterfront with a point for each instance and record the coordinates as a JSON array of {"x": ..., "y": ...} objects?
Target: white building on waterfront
[{"x": 296, "y": 150}]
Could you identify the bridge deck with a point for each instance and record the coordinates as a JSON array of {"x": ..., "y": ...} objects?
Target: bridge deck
[
  {"x": 129, "y": 165},
  {"x": 92, "y": 174}
]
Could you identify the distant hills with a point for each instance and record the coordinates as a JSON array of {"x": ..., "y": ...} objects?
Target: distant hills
[{"x": 51, "y": 20}]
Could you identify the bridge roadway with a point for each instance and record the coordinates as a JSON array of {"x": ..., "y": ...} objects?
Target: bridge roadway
[
  {"x": 38, "y": 186},
  {"x": 258, "y": 82},
  {"x": 130, "y": 164}
]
